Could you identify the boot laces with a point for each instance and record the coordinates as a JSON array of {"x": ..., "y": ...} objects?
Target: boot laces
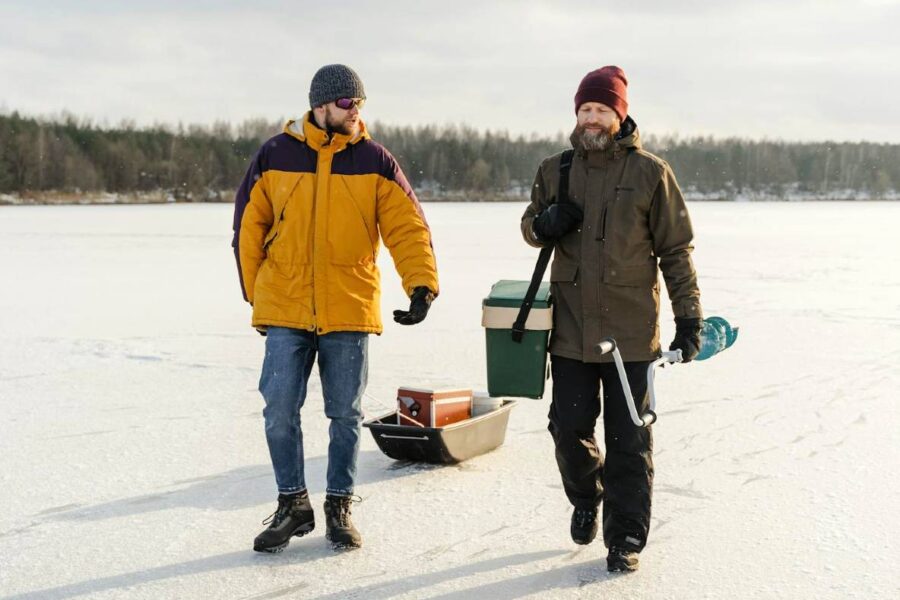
[
  {"x": 341, "y": 508},
  {"x": 284, "y": 507}
]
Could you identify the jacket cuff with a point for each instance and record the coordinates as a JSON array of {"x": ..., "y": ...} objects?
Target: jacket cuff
[
  {"x": 688, "y": 309},
  {"x": 539, "y": 242},
  {"x": 410, "y": 288}
]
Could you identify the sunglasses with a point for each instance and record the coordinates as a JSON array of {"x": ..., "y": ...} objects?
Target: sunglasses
[{"x": 348, "y": 103}]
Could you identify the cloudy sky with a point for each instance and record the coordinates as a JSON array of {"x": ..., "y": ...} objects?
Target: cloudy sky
[{"x": 795, "y": 70}]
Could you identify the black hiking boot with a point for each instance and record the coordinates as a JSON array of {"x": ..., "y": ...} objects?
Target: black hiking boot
[
  {"x": 293, "y": 517},
  {"x": 621, "y": 559},
  {"x": 584, "y": 525},
  {"x": 339, "y": 529}
]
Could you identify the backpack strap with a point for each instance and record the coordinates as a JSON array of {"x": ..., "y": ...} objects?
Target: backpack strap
[
  {"x": 565, "y": 165},
  {"x": 518, "y": 330}
]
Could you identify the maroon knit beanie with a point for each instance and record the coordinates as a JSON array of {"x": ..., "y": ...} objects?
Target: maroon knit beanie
[{"x": 607, "y": 86}]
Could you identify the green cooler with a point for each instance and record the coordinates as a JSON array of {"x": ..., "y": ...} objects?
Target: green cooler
[{"x": 516, "y": 369}]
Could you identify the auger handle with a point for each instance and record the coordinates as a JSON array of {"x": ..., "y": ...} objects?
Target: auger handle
[{"x": 608, "y": 345}]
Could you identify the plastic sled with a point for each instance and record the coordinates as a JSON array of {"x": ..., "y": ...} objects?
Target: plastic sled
[{"x": 447, "y": 445}]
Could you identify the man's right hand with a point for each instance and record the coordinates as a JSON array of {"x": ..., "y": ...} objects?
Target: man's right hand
[{"x": 556, "y": 221}]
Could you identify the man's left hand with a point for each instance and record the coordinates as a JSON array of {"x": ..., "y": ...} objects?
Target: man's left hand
[
  {"x": 419, "y": 303},
  {"x": 687, "y": 337}
]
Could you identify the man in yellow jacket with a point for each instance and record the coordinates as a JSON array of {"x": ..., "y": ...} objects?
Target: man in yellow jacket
[{"x": 309, "y": 216}]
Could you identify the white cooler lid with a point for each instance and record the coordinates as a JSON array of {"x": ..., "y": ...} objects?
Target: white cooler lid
[{"x": 503, "y": 317}]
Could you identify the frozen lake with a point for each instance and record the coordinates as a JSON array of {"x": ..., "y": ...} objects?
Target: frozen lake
[{"x": 134, "y": 461}]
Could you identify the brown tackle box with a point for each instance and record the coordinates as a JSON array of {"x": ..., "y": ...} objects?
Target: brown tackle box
[{"x": 433, "y": 408}]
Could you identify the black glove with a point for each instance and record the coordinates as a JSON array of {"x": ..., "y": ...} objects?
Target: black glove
[
  {"x": 419, "y": 303},
  {"x": 557, "y": 220},
  {"x": 687, "y": 337}
]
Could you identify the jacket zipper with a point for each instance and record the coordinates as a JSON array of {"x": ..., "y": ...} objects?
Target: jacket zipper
[
  {"x": 316, "y": 200},
  {"x": 602, "y": 237}
]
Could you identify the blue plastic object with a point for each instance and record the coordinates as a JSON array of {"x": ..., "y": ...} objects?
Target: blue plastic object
[{"x": 717, "y": 335}]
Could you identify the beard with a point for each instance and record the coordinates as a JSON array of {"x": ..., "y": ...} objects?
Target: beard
[
  {"x": 595, "y": 138},
  {"x": 346, "y": 126}
]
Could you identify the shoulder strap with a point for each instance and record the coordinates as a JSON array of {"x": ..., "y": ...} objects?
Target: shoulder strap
[
  {"x": 565, "y": 165},
  {"x": 518, "y": 330}
]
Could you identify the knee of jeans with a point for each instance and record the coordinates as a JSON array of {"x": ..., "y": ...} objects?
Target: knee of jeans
[
  {"x": 343, "y": 411},
  {"x": 280, "y": 422},
  {"x": 348, "y": 417},
  {"x": 279, "y": 432}
]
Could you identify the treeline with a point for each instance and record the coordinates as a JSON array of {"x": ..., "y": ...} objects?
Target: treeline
[
  {"x": 452, "y": 158},
  {"x": 69, "y": 155},
  {"x": 734, "y": 167}
]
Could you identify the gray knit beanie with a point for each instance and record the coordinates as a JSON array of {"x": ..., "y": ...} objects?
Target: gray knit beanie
[{"x": 332, "y": 82}]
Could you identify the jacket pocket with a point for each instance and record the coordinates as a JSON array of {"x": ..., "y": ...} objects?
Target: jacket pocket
[
  {"x": 636, "y": 275},
  {"x": 561, "y": 271},
  {"x": 604, "y": 218},
  {"x": 273, "y": 233},
  {"x": 349, "y": 239},
  {"x": 285, "y": 190}
]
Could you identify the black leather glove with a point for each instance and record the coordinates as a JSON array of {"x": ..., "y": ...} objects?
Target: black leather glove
[
  {"x": 557, "y": 220},
  {"x": 419, "y": 303},
  {"x": 687, "y": 337}
]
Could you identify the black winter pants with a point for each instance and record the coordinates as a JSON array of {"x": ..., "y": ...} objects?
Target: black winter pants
[{"x": 624, "y": 480}]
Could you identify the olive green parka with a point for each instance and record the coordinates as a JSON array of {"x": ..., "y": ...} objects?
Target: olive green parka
[{"x": 604, "y": 274}]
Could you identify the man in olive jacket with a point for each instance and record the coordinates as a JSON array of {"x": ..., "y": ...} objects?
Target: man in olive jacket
[{"x": 624, "y": 218}]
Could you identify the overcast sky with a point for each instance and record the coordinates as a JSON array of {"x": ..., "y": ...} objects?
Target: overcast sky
[{"x": 802, "y": 70}]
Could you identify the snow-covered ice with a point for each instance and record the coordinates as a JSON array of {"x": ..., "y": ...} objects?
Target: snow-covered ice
[{"x": 134, "y": 463}]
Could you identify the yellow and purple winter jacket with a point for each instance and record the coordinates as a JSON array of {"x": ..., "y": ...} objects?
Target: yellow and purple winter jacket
[{"x": 308, "y": 218}]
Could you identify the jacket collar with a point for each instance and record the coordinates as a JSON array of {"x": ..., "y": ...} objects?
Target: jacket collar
[{"x": 316, "y": 138}]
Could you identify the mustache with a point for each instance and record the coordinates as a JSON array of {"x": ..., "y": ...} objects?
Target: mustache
[{"x": 595, "y": 129}]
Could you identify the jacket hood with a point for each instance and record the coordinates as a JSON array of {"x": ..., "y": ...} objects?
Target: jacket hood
[{"x": 307, "y": 131}]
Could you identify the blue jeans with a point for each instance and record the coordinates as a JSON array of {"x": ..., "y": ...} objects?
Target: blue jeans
[{"x": 343, "y": 370}]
